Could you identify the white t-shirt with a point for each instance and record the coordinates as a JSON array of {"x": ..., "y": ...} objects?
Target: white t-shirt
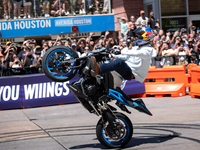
[
  {"x": 138, "y": 59},
  {"x": 167, "y": 61}
]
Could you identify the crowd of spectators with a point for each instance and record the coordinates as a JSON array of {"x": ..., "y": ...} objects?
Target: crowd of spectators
[
  {"x": 180, "y": 47},
  {"x": 17, "y": 9}
]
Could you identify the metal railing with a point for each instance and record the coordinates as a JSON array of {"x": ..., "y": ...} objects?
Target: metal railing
[{"x": 88, "y": 7}]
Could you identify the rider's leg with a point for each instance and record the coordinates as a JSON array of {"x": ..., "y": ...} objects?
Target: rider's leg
[{"x": 118, "y": 65}]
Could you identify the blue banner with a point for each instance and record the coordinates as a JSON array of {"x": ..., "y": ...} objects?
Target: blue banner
[
  {"x": 38, "y": 90},
  {"x": 48, "y": 26}
]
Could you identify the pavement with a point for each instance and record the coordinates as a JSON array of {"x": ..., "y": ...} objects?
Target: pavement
[{"x": 175, "y": 124}]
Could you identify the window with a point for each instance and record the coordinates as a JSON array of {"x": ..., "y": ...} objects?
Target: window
[
  {"x": 194, "y": 7},
  {"x": 173, "y": 7}
]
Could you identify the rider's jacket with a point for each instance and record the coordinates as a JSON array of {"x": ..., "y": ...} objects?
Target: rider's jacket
[{"x": 138, "y": 59}]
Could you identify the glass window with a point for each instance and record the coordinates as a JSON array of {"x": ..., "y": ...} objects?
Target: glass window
[
  {"x": 194, "y": 7},
  {"x": 174, "y": 24},
  {"x": 173, "y": 7}
]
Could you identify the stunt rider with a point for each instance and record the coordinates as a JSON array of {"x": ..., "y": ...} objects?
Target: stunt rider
[{"x": 130, "y": 64}]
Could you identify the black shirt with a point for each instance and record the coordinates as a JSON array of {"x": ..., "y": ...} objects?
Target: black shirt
[{"x": 152, "y": 22}]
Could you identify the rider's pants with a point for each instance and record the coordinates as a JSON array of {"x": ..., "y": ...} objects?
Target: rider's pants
[{"x": 119, "y": 66}]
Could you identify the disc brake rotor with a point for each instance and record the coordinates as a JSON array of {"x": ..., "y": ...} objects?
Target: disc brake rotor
[{"x": 117, "y": 133}]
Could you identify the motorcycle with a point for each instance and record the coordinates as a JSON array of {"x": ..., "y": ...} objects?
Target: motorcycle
[{"x": 114, "y": 129}]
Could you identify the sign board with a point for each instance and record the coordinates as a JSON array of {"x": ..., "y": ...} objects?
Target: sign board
[
  {"x": 174, "y": 24},
  {"x": 49, "y": 26},
  {"x": 38, "y": 90}
]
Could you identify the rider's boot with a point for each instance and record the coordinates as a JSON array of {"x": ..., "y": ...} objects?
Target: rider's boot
[{"x": 95, "y": 67}]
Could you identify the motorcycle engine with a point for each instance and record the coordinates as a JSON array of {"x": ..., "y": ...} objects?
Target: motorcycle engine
[{"x": 91, "y": 89}]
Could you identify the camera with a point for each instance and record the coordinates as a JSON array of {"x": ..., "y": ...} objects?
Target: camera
[
  {"x": 11, "y": 50},
  {"x": 31, "y": 41},
  {"x": 183, "y": 30},
  {"x": 15, "y": 44},
  {"x": 193, "y": 28}
]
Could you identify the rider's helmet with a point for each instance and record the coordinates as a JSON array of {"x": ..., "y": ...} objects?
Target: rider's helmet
[{"x": 144, "y": 35}]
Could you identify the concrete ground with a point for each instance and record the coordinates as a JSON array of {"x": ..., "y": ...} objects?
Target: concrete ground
[{"x": 175, "y": 124}]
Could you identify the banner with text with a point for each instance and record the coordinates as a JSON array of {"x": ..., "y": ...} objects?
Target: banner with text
[
  {"x": 47, "y": 26},
  {"x": 38, "y": 90}
]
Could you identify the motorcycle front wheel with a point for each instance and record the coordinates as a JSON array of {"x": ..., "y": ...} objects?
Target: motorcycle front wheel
[
  {"x": 118, "y": 137},
  {"x": 54, "y": 66}
]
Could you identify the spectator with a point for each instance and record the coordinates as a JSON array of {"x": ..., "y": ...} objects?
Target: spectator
[
  {"x": 124, "y": 27},
  {"x": 73, "y": 7},
  {"x": 132, "y": 21},
  {"x": 181, "y": 51},
  {"x": 1, "y": 50},
  {"x": 56, "y": 9},
  {"x": 27, "y": 8},
  {"x": 37, "y": 6},
  {"x": 37, "y": 61},
  {"x": 193, "y": 57},
  {"x": 160, "y": 36},
  {"x": 81, "y": 7},
  {"x": 177, "y": 40},
  {"x": 197, "y": 48},
  {"x": 50, "y": 44},
  {"x": 17, "y": 6},
  {"x": 168, "y": 36},
  {"x": 105, "y": 6},
  {"x": 111, "y": 43},
  {"x": 87, "y": 50},
  {"x": 90, "y": 4},
  {"x": 28, "y": 57},
  {"x": 97, "y": 6},
  {"x": 44, "y": 50},
  {"x": 74, "y": 47},
  {"x": 7, "y": 8},
  {"x": 66, "y": 6},
  {"x": 152, "y": 21},
  {"x": 58, "y": 41},
  {"x": 141, "y": 19},
  {"x": 81, "y": 45},
  {"x": 158, "y": 47},
  {"x": 15, "y": 65},
  {"x": 166, "y": 51},
  {"x": 46, "y": 8},
  {"x": 131, "y": 28},
  {"x": 3, "y": 65}
]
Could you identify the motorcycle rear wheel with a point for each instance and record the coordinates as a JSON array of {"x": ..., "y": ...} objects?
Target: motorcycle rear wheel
[
  {"x": 53, "y": 66},
  {"x": 125, "y": 137}
]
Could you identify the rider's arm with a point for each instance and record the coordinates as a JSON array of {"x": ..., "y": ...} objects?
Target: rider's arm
[
  {"x": 123, "y": 57},
  {"x": 142, "y": 53}
]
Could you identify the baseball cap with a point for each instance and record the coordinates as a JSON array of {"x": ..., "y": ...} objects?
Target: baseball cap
[
  {"x": 1, "y": 55},
  {"x": 38, "y": 47},
  {"x": 197, "y": 38},
  {"x": 190, "y": 40},
  {"x": 73, "y": 44},
  {"x": 24, "y": 42},
  {"x": 142, "y": 11},
  {"x": 102, "y": 36},
  {"x": 123, "y": 18},
  {"x": 7, "y": 43}
]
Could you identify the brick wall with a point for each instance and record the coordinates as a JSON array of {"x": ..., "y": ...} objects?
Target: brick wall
[{"x": 126, "y": 8}]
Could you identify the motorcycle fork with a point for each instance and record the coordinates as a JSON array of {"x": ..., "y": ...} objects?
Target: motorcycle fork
[{"x": 110, "y": 117}]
